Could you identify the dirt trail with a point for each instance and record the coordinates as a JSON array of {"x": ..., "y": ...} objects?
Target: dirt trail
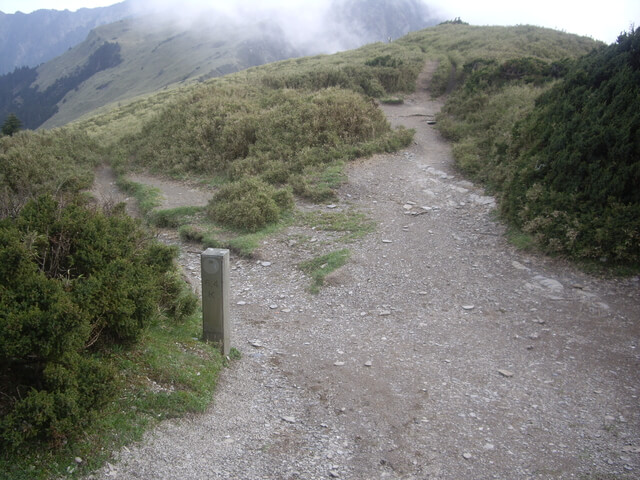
[{"x": 438, "y": 352}]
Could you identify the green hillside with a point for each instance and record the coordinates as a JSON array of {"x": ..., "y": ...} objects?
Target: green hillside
[{"x": 157, "y": 56}]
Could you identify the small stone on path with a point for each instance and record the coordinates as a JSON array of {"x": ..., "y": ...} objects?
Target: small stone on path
[
  {"x": 387, "y": 241},
  {"x": 467, "y": 456},
  {"x": 519, "y": 266},
  {"x": 468, "y": 307},
  {"x": 505, "y": 373},
  {"x": 265, "y": 264},
  {"x": 631, "y": 449},
  {"x": 289, "y": 419},
  {"x": 339, "y": 364},
  {"x": 368, "y": 363}
]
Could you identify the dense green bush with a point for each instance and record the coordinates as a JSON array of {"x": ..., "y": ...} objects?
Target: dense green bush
[
  {"x": 249, "y": 204},
  {"x": 565, "y": 162},
  {"x": 576, "y": 159},
  {"x": 74, "y": 282},
  {"x": 274, "y": 135}
]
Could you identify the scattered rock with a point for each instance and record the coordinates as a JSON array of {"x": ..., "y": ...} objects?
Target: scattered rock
[
  {"x": 631, "y": 449},
  {"x": 266, "y": 264},
  {"x": 368, "y": 363},
  {"x": 256, "y": 343},
  {"x": 289, "y": 419},
  {"x": 241, "y": 303},
  {"x": 519, "y": 266},
  {"x": 467, "y": 456},
  {"x": 339, "y": 364},
  {"x": 482, "y": 200},
  {"x": 468, "y": 307},
  {"x": 549, "y": 283},
  {"x": 78, "y": 460},
  {"x": 505, "y": 373},
  {"x": 387, "y": 241},
  {"x": 273, "y": 306},
  {"x": 385, "y": 313}
]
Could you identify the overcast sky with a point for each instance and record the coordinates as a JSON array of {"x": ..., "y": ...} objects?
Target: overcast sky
[{"x": 598, "y": 19}]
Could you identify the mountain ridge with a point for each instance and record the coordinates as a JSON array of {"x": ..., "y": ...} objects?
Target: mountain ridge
[
  {"x": 159, "y": 53},
  {"x": 27, "y": 40}
]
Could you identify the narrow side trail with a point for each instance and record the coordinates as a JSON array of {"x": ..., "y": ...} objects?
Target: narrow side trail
[{"x": 438, "y": 352}]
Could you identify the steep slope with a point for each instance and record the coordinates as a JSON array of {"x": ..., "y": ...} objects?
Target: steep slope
[
  {"x": 156, "y": 56},
  {"x": 27, "y": 40},
  {"x": 157, "y": 52}
]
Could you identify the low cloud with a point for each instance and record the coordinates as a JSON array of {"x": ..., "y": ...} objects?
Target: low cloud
[{"x": 312, "y": 27}]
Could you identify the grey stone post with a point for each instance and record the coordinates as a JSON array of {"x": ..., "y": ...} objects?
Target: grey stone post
[{"x": 216, "y": 324}]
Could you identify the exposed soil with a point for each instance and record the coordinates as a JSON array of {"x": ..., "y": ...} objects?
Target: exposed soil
[{"x": 438, "y": 351}]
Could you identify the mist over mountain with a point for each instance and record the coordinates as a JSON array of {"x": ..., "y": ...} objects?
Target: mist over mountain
[
  {"x": 358, "y": 22},
  {"x": 325, "y": 26},
  {"x": 163, "y": 44},
  {"x": 27, "y": 40}
]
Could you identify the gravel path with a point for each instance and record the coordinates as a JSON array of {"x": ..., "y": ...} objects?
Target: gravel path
[{"x": 437, "y": 352}]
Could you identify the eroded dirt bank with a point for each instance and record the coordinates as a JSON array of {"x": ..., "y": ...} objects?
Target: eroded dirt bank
[{"x": 437, "y": 352}]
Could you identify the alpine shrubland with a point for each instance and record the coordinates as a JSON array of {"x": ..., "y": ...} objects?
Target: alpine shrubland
[
  {"x": 575, "y": 159},
  {"x": 98, "y": 303},
  {"x": 557, "y": 141}
]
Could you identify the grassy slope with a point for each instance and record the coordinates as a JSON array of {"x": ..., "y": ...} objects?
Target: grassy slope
[
  {"x": 154, "y": 58},
  {"x": 455, "y": 44}
]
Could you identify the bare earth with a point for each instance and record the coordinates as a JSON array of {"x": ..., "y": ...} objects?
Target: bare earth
[{"x": 437, "y": 352}]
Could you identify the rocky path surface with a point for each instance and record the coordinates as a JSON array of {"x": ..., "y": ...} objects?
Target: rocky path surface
[{"x": 437, "y": 352}]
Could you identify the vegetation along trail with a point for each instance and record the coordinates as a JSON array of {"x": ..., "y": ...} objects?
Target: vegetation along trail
[{"x": 437, "y": 351}]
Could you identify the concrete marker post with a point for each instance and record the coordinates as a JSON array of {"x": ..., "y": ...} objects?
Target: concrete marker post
[{"x": 216, "y": 323}]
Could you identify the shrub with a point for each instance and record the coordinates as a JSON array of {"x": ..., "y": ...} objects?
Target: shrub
[
  {"x": 576, "y": 159},
  {"x": 249, "y": 204},
  {"x": 273, "y": 135},
  {"x": 74, "y": 281}
]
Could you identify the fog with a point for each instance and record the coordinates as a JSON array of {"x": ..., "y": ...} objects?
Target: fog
[
  {"x": 312, "y": 26},
  {"x": 309, "y": 22}
]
